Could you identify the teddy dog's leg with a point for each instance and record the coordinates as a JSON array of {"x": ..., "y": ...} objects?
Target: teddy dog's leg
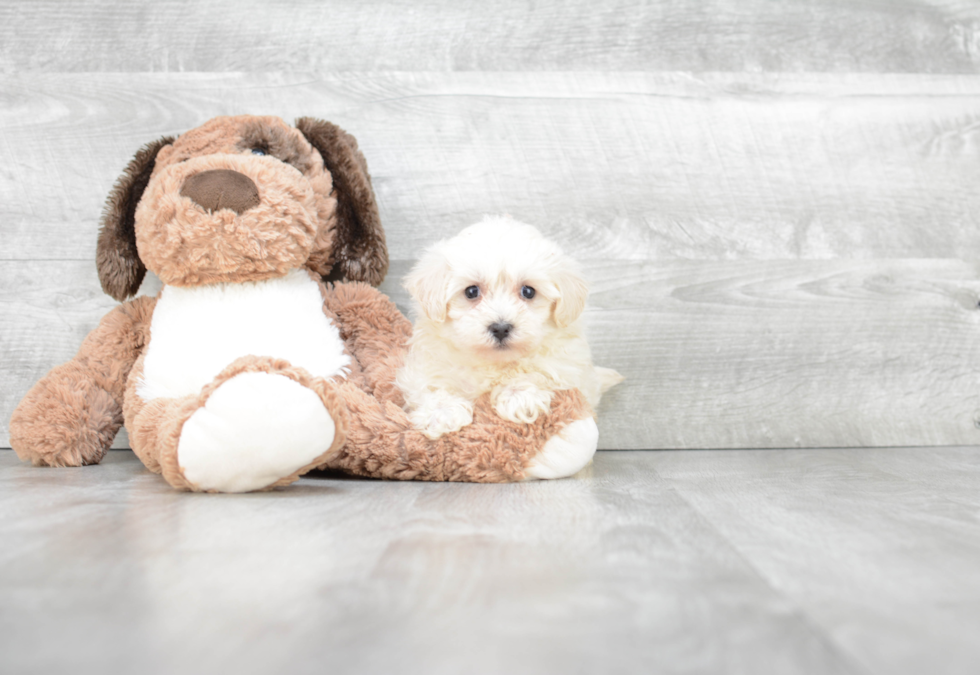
[
  {"x": 260, "y": 424},
  {"x": 567, "y": 452},
  {"x": 382, "y": 443},
  {"x": 71, "y": 415}
]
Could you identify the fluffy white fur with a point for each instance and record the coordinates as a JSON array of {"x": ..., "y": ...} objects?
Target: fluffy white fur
[
  {"x": 454, "y": 356},
  {"x": 198, "y": 331}
]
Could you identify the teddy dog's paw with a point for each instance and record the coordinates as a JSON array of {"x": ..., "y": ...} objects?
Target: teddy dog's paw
[
  {"x": 567, "y": 453},
  {"x": 521, "y": 402},
  {"x": 441, "y": 413},
  {"x": 254, "y": 429},
  {"x": 64, "y": 421}
]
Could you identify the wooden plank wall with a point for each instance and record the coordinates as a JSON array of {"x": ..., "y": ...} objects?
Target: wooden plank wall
[{"x": 777, "y": 202}]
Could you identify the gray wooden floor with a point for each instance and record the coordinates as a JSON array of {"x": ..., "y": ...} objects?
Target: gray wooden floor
[
  {"x": 777, "y": 204},
  {"x": 791, "y": 561}
]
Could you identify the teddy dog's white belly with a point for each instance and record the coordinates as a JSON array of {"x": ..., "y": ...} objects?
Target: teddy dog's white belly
[{"x": 196, "y": 332}]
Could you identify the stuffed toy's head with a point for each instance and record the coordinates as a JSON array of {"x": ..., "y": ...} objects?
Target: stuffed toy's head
[{"x": 242, "y": 199}]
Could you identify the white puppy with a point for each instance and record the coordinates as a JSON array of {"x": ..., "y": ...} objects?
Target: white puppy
[{"x": 498, "y": 311}]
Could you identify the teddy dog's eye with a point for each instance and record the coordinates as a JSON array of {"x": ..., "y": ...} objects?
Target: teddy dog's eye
[
  {"x": 527, "y": 292},
  {"x": 472, "y": 292},
  {"x": 259, "y": 151}
]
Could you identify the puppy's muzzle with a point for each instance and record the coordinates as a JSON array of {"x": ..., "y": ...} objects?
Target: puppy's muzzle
[
  {"x": 221, "y": 189},
  {"x": 500, "y": 331}
]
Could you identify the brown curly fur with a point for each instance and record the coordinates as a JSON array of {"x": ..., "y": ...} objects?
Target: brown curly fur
[
  {"x": 156, "y": 425},
  {"x": 70, "y": 417},
  {"x": 316, "y": 210},
  {"x": 186, "y": 246},
  {"x": 329, "y": 160}
]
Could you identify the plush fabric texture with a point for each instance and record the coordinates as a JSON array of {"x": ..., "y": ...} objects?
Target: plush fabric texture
[
  {"x": 70, "y": 417},
  {"x": 222, "y": 189},
  {"x": 155, "y": 425},
  {"x": 254, "y": 429},
  {"x": 120, "y": 269},
  {"x": 316, "y": 215},
  {"x": 187, "y": 246},
  {"x": 364, "y": 254},
  {"x": 197, "y": 331}
]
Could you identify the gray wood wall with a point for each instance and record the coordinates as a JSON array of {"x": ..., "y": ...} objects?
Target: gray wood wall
[{"x": 776, "y": 201}]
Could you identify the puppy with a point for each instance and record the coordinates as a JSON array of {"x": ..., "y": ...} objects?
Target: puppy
[{"x": 498, "y": 311}]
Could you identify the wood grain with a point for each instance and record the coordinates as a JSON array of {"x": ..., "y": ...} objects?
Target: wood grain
[
  {"x": 760, "y": 354},
  {"x": 616, "y": 166},
  {"x": 493, "y": 35},
  {"x": 780, "y": 258},
  {"x": 605, "y": 573},
  {"x": 877, "y": 548},
  {"x": 814, "y": 561}
]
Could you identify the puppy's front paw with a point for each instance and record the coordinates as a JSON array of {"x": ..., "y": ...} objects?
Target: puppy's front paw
[
  {"x": 441, "y": 414},
  {"x": 521, "y": 402}
]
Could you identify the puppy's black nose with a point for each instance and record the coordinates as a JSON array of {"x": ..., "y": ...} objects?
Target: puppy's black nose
[
  {"x": 500, "y": 331},
  {"x": 221, "y": 189}
]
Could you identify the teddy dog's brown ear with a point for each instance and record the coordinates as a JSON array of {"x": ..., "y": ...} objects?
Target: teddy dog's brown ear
[
  {"x": 361, "y": 253},
  {"x": 120, "y": 269}
]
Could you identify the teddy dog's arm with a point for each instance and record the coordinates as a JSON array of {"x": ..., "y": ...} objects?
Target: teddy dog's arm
[
  {"x": 381, "y": 441},
  {"x": 71, "y": 415},
  {"x": 376, "y": 334}
]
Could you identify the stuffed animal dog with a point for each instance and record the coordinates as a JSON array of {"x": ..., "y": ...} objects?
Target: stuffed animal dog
[
  {"x": 222, "y": 378},
  {"x": 247, "y": 370}
]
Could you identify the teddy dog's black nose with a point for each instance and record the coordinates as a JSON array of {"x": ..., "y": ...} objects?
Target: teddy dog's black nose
[
  {"x": 221, "y": 189},
  {"x": 500, "y": 331}
]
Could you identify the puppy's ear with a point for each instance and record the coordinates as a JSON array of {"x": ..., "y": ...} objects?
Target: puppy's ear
[
  {"x": 120, "y": 269},
  {"x": 428, "y": 282},
  {"x": 360, "y": 252},
  {"x": 573, "y": 291}
]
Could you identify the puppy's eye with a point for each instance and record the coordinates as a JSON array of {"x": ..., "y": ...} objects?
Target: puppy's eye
[
  {"x": 258, "y": 151},
  {"x": 472, "y": 292},
  {"x": 527, "y": 292}
]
